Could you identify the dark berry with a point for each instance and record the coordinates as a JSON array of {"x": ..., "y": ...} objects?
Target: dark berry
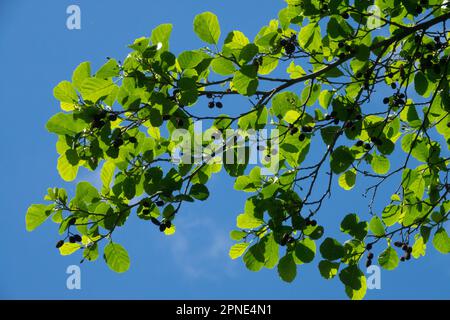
[
  {"x": 162, "y": 227},
  {"x": 369, "y": 246},
  {"x": 402, "y": 259},
  {"x": 155, "y": 221},
  {"x": 77, "y": 238},
  {"x": 211, "y": 105},
  {"x": 367, "y": 146},
  {"x": 341, "y": 44},
  {"x": 59, "y": 244},
  {"x": 219, "y": 105},
  {"x": 112, "y": 117},
  {"x": 289, "y": 48},
  {"x": 302, "y": 137},
  {"x": 168, "y": 224},
  {"x": 313, "y": 223},
  {"x": 209, "y": 95},
  {"x": 393, "y": 85},
  {"x": 336, "y": 121},
  {"x": 398, "y": 244},
  {"x": 159, "y": 203},
  {"x": 342, "y": 55},
  {"x": 368, "y": 263},
  {"x": 72, "y": 239},
  {"x": 132, "y": 139},
  {"x": 386, "y": 100},
  {"x": 345, "y": 15},
  {"x": 146, "y": 203},
  {"x": 294, "y": 130},
  {"x": 72, "y": 221},
  {"x": 370, "y": 256},
  {"x": 359, "y": 143},
  {"x": 146, "y": 212},
  {"x": 283, "y": 42},
  {"x": 404, "y": 247}
]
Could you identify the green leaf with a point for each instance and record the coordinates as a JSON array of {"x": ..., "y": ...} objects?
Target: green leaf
[
  {"x": 207, "y": 28},
  {"x": 94, "y": 89},
  {"x": 380, "y": 164},
  {"x": 341, "y": 159},
  {"x": 328, "y": 269},
  {"x": 223, "y": 66},
  {"x": 376, "y": 227},
  {"x": 237, "y": 235},
  {"x": 116, "y": 257},
  {"x": 66, "y": 170},
  {"x": 419, "y": 248},
  {"x": 347, "y": 180},
  {"x": 245, "y": 81},
  {"x": 199, "y": 192},
  {"x": 351, "y": 225},
  {"x": 108, "y": 70},
  {"x": 287, "y": 268},
  {"x": 254, "y": 258},
  {"x": 82, "y": 72},
  {"x": 62, "y": 124},
  {"x": 420, "y": 83},
  {"x": 388, "y": 259},
  {"x": 247, "y": 221},
  {"x": 441, "y": 241},
  {"x": 107, "y": 173},
  {"x": 161, "y": 34},
  {"x": 331, "y": 249},
  {"x": 69, "y": 248},
  {"x": 351, "y": 277},
  {"x": 36, "y": 215},
  {"x": 305, "y": 250},
  {"x": 238, "y": 250},
  {"x": 65, "y": 92}
]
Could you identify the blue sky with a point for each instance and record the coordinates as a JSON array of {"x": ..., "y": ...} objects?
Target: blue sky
[{"x": 37, "y": 51}]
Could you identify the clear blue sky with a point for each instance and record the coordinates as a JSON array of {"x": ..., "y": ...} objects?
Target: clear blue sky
[{"x": 36, "y": 52}]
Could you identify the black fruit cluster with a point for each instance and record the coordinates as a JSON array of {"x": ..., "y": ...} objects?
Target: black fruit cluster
[
  {"x": 213, "y": 103},
  {"x": 406, "y": 249},
  {"x": 289, "y": 44}
]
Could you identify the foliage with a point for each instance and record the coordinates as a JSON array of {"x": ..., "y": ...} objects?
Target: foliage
[{"x": 122, "y": 120}]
